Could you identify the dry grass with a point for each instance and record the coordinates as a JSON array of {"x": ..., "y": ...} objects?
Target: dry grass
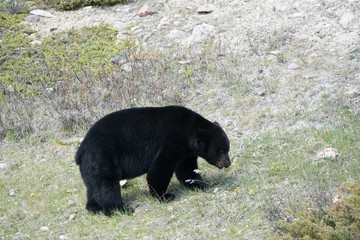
[
  {"x": 276, "y": 119},
  {"x": 49, "y": 191}
]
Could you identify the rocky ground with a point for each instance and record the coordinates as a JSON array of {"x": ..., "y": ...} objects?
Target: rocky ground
[{"x": 294, "y": 55}]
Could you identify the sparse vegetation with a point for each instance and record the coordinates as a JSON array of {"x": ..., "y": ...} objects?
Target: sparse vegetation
[
  {"x": 52, "y": 91},
  {"x": 76, "y": 4},
  {"x": 335, "y": 216}
]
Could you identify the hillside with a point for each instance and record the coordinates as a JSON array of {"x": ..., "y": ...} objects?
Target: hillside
[{"x": 281, "y": 77}]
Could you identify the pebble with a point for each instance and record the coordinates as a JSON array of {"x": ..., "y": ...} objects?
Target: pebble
[
  {"x": 72, "y": 217},
  {"x": 12, "y": 192},
  {"x": 175, "y": 34},
  {"x": 260, "y": 91},
  {"x": 31, "y": 18},
  {"x": 146, "y": 10},
  {"x": 44, "y": 229},
  {"x": 349, "y": 21},
  {"x": 328, "y": 153},
  {"x": 293, "y": 66},
  {"x": 201, "y": 32},
  {"x": 126, "y": 67},
  {"x": 4, "y": 165},
  {"x": 71, "y": 203},
  {"x": 63, "y": 237},
  {"x": 206, "y": 9},
  {"x": 41, "y": 13}
]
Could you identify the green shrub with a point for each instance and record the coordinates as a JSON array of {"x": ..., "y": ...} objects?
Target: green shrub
[
  {"x": 75, "y": 4},
  {"x": 13, "y": 6},
  {"x": 338, "y": 220}
]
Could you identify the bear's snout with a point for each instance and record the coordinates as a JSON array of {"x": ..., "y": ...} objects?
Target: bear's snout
[{"x": 223, "y": 162}]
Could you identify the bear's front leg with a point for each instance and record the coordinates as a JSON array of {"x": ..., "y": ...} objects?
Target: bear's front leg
[
  {"x": 158, "y": 179},
  {"x": 161, "y": 171},
  {"x": 186, "y": 174}
]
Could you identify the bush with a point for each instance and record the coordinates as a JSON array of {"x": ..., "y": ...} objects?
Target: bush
[
  {"x": 72, "y": 78},
  {"x": 13, "y": 6},
  {"x": 339, "y": 219},
  {"x": 75, "y": 4}
]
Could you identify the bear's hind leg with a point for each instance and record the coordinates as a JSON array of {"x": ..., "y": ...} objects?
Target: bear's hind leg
[
  {"x": 107, "y": 195},
  {"x": 91, "y": 204}
]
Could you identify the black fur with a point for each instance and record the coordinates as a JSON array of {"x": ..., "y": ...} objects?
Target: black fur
[{"x": 156, "y": 141}]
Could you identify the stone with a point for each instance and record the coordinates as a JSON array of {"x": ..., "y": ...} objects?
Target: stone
[
  {"x": 72, "y": 217},
  {"x": 4, "y": 165},
  {"x": 31, "y": 18},
  {"x": 328, "y": 153},
  {"x": 41, "y": 13},
  {"x": 29, "y": 31},
  {"x": 260, "y": 91},
  {"x": 146, "y": 10},
  {"x": 175, "y": 34},
  {"x": 127, "y": 67},
  {"x": 349, "y": 21},
  {"x": 293, "y": 66},
  {"x": 301, "y": 38},
  {"x": 201, "y": 32},
  {"x": 12, "y": 192},
  {"x": 71, "y": 203},
  {"x": 44, "y": 229},
  {"x": 206, "y": 9},
  {"x": 63, "y": 237}
]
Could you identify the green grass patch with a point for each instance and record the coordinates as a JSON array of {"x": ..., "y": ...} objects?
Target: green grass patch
[
  {"x": 274, "y": 177},
  {"x": 76, "y": 4}
]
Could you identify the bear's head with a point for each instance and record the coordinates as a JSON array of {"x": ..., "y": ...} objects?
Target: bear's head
[{"x": 213, "y": 145}]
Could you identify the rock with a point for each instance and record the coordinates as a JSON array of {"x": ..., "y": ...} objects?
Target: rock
[
  {"x": 12, "y": 192},
  {"x": 63, "y": 237},
  {"x": 127, "y": 67},
  {"x": 327, "y": 153},
  {"x": 293, "y": 66},
  {"x": 206, "y": 9},
  {"x": 260, "y": 91},
  {"x": 301, "y": 38},
  {"x": 175, "y": 34},
  {"x": 87, "y": 7},
  {"x": 29, "y": 31},
  {"x": 32, "y": 18},
  {"x": 72, "y": 217},
  {"x": 200, "y": 33},
  {"x": 349, "y": 21},
  {"x": 4, "y": 165},
  {"x": 41, "y": 13},
  {"x": 276, "y": 52},
  {"x": 146, "y": 10},
  {"x": 71, "y": 203},
  {"x": 44, "y": 229}
]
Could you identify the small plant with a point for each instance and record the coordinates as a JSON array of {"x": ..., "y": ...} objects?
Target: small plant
[
  {"x": 76, "y": 4},
  {"x": 335, "y": 219},
  {"x": 13, "y": 6}
]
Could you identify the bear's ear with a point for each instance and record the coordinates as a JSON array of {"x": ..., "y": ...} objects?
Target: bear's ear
[{"x": 217, "y": 124}]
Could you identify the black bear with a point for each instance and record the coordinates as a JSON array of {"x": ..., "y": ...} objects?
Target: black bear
[{"x": 154, "y": 140}]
